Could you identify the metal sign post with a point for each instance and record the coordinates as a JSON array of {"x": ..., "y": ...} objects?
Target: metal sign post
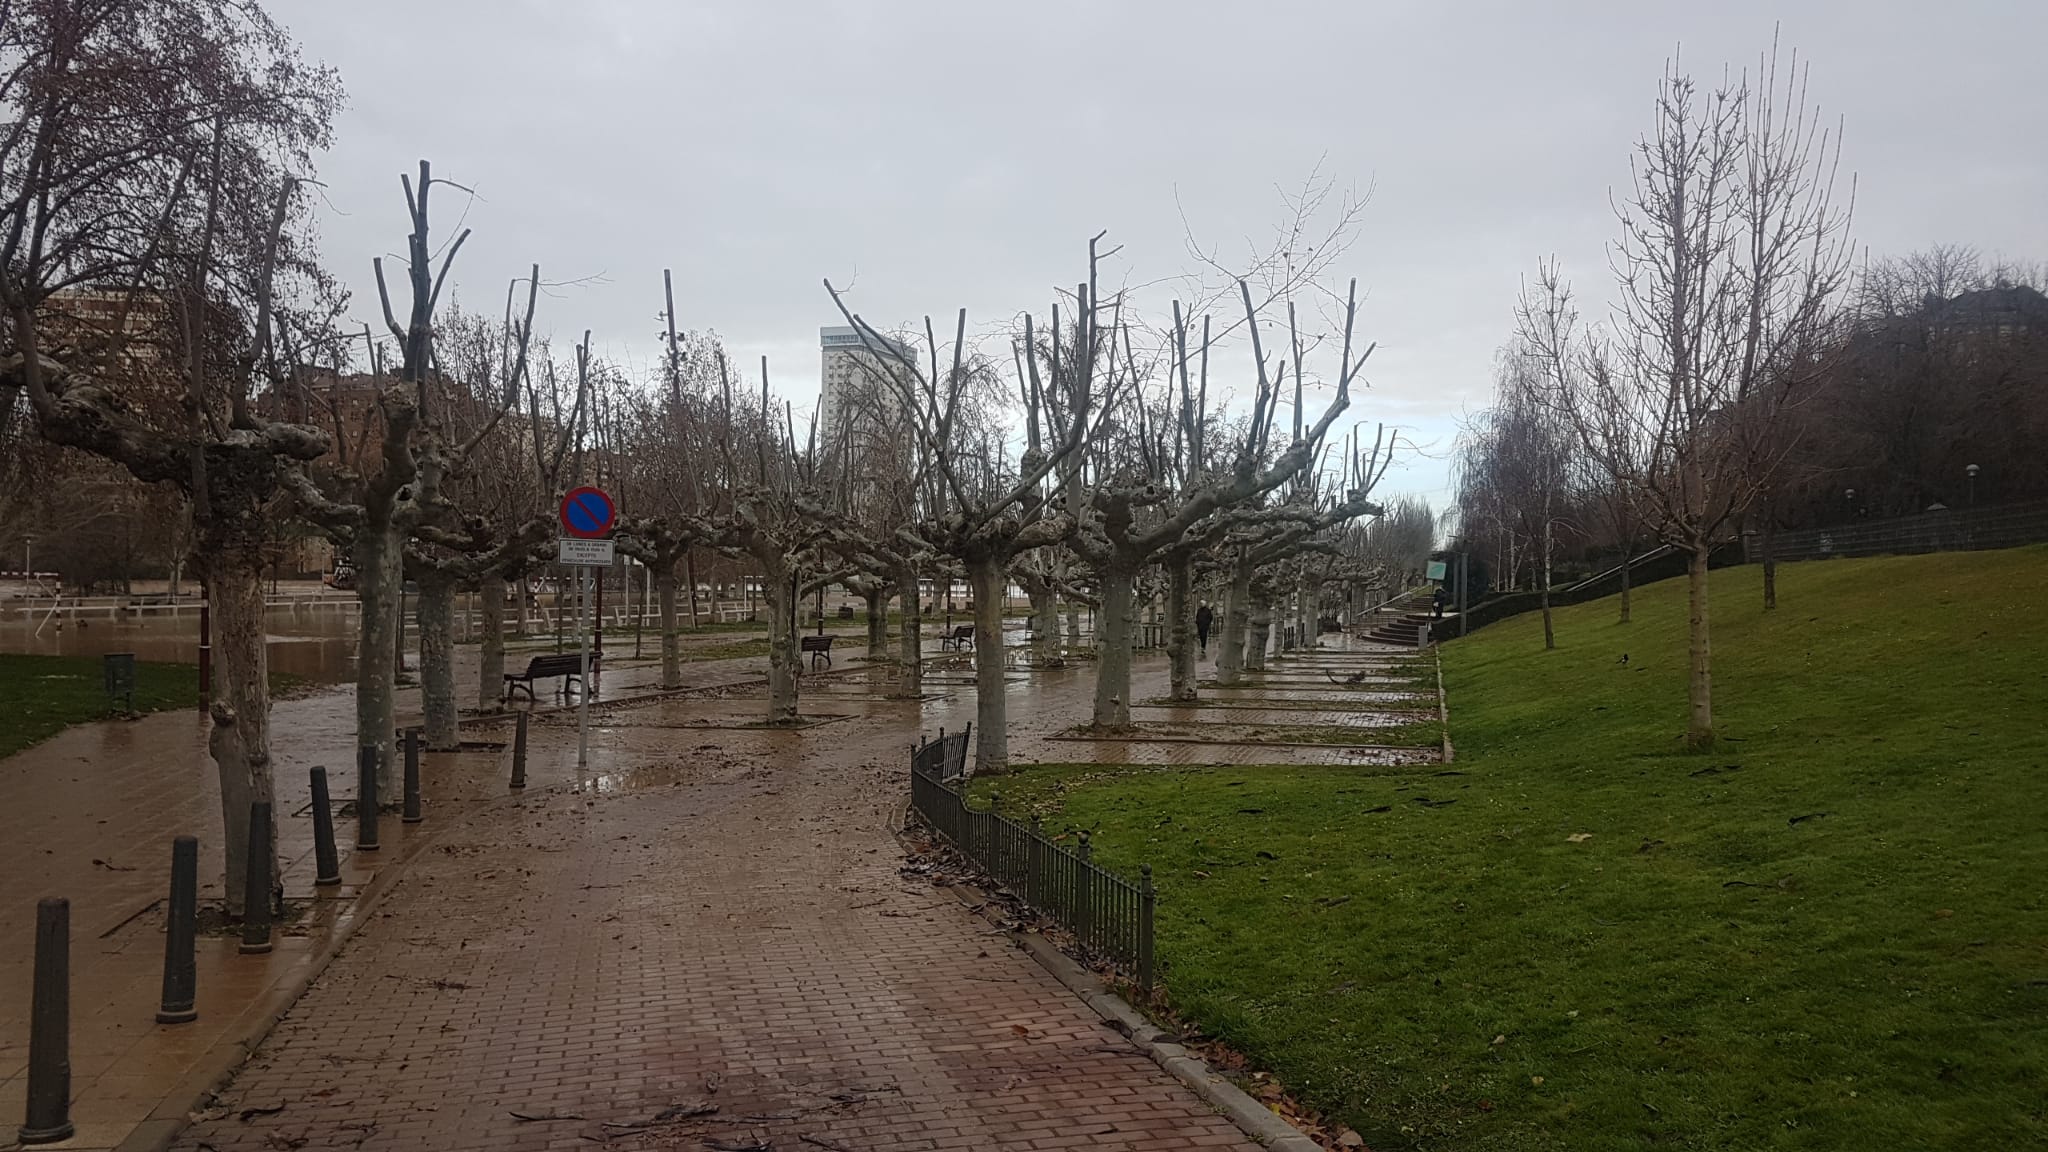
[
  {"x": 587, "y": 515},
  {"x": 583, "y": 639}
]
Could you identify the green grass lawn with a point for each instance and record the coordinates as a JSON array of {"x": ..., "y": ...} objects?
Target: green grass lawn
[
  {"x": 1829, "y": 933},
  {"x": 45, "y": 694}
]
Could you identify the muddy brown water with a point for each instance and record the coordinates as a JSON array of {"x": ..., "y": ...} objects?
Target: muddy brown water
[{"x": 318, "y": 646}]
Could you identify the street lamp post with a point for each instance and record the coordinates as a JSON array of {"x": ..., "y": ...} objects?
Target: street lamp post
[{"x": 1971, "y": 470}]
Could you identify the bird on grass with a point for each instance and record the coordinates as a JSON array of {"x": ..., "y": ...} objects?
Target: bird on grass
[{"x": 1623, "y": 662}]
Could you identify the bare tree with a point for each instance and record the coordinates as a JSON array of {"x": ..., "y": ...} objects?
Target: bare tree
[
  {"x": 470, "y": 530},
  {"x": 1733, "y": 253},
  {"x": 151, "y": 161},
  {"x": 972, "y": 505},
  {"x": 1518, "y": 464},
  {"x": 375, "y": 509}
]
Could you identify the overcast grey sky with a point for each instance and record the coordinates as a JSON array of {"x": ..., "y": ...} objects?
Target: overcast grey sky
[{"x": 940, "y": 155}]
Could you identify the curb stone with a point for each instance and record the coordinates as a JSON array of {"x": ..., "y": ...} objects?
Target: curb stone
[
  {"x": 169, "y": 1119},
  {"x": 1251, "y": 1117},
  {"x": 1443, "y": 706}
]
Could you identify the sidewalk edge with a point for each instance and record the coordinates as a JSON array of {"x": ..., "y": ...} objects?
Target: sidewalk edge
[
  {"x": 1254, "y": 1119},
  {"x": 172, "y": 1115},
  {"x": 1443, "y": 706}
]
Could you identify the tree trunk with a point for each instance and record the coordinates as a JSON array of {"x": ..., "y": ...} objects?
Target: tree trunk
[
  {"x": 1045, "y": 619},
  {"x": 1113, "y": 650},
  {"x": 1230, "y": 642},
  {"x": 1770, "y": 558},
  {"x": 1073, "y": 625},
  {"x": 878, "y": 622},
  {"x": 671, "y": 644},
  {"x": 1549, "y": 633},
  {"x": 1261, "y": 635},
  {"x": 437, "y": 663},
  {"x": 782, "y": 656},
  {"x": 1306, "y": 608},
  {"x": 1180, "y": 626},
  {"x": 991, "y": 714},
  {"x": 1699, "y": 730},
  {"x": 490, "y": 688},
  {"x": 522, "y": 619},
  {"x": 1628, "y": 562},
  {"x": 240, "y": 738},
  {"x": 690, "y": 572},
  {"x": 379, "y": 579},
  {"x": 911, "y": 652}
]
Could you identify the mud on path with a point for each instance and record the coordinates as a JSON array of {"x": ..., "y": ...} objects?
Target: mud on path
[{"x": 710, "y": 926}]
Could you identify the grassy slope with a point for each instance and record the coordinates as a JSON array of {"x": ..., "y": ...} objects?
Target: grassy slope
[
  {"x": 1701, "y": 972},
  {"x": 44, "y": 694}
]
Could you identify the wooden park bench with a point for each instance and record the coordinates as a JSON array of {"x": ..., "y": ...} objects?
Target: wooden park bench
[
  {"x": 568, "y": 667},
  {"x": 961, "y": 636},
  {"x": 817, "y": 646}
]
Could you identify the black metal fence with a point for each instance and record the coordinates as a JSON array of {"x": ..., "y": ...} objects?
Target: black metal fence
[
  {"x": 1109, "y": 915},
  {"x": 1941, "y": 530},
  {"x": 943, "y": 759}
]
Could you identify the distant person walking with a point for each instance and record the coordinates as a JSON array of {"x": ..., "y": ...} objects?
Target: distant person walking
[
  {"x": 1203, "y": 618},
  {"x": 1442, "y": 597}
]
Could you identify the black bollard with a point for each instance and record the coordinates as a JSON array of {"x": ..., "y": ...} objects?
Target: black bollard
[
  {"x": 519, "y": 753},
  {"x": 49, "y": 1028},
  {"x": 326, "y": 863},
  {"x": 412, "y": 777},
  {"x": 181, "y": 927},
  {"x": 256, "y": 876},
  {"x": 366, "y": 798}
]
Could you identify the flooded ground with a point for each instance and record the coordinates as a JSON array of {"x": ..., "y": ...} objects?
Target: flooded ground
[{"x": 317, "y": 644}]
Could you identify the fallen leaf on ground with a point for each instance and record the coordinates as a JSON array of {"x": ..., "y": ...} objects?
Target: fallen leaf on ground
[{"x": 1579, "y": 837}]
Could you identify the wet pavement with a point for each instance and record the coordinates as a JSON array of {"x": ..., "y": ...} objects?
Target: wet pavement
[
  {"x": 92, "y": 813},
  {"x": 704, "y": 902}
]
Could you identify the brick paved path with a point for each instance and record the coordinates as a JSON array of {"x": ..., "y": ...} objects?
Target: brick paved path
[{"x": 719, "y": 925}]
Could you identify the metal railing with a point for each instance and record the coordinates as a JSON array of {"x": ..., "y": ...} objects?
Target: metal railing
[
  {"x": 1108, "y": 915},
  {"x": 1941, "y": 530},
  {"x": 943, "y": 759}
]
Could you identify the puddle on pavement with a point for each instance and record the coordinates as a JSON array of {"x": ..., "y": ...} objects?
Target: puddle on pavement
[{"x": 644, "y": 778}]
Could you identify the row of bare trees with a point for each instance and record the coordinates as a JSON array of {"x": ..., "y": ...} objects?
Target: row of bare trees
[{"x": 167, "y": 312}]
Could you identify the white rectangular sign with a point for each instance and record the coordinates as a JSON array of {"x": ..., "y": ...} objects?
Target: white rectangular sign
[{"x": 589, "y": 553}]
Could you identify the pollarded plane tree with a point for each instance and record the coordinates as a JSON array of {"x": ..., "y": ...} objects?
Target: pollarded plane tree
[
  {"x": 1172, "y": 487},
  {"x": 155, "y": 236},
  {"x": 880, "y": 482},
  {"x": 778, "y": 518},
  {"x": 510, "y": 477},
  {"x": 676, "y": 475},
  {"x": 1265, "y": 549},
  {"x": 974, "y": 504},
  {"x": 372, "y": 508},
  {"x": 479, "y": 523}
]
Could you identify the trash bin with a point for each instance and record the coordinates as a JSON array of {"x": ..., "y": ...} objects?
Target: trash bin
[{"x": 119, "y": 671}]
